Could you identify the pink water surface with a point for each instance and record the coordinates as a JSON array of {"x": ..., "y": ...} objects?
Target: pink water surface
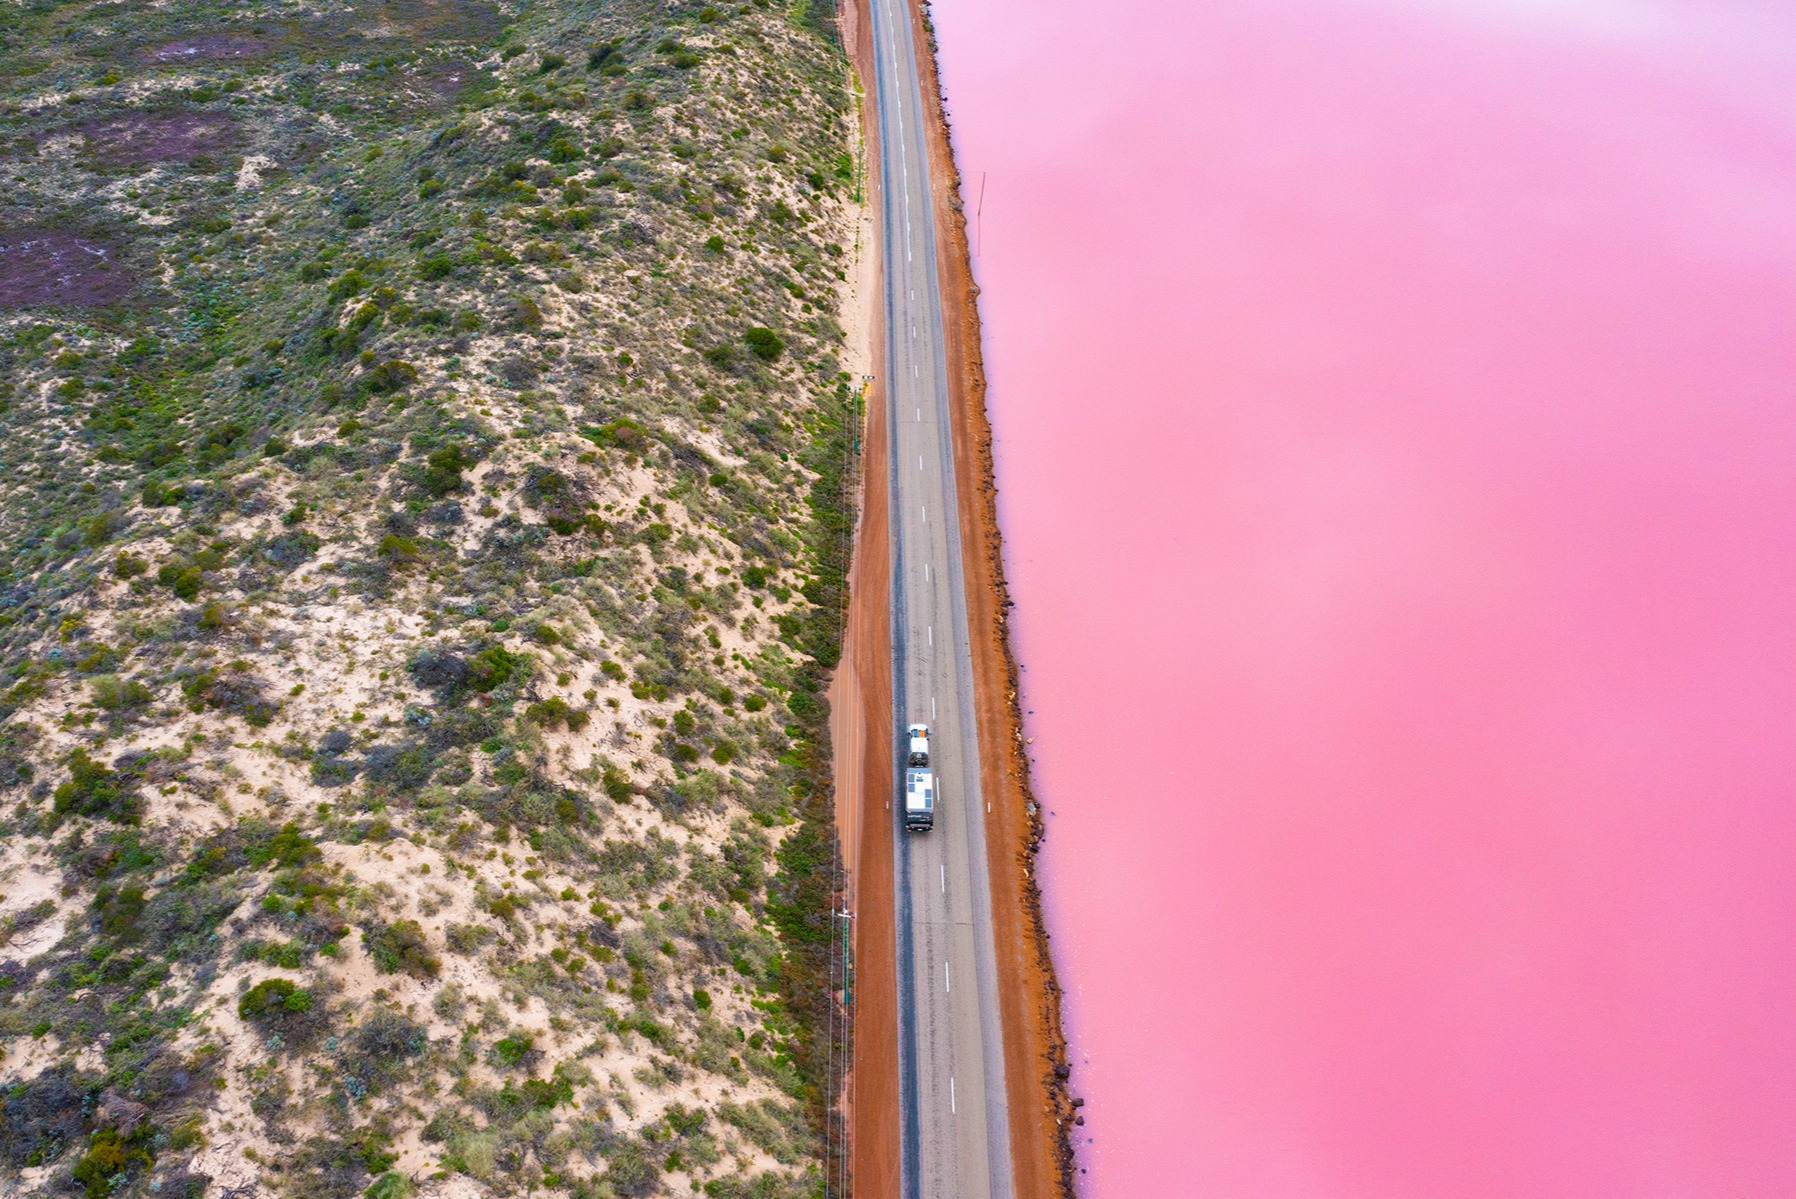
[{"x": 1397, "y": 418}]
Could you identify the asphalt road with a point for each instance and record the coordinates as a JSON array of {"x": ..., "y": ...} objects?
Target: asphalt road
[{"x": 956, "y": 1136}]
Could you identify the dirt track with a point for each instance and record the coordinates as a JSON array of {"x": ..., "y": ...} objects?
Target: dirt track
[
  {"x": 861, "y": 699},
  {"x": 1034, "y": 1049}
]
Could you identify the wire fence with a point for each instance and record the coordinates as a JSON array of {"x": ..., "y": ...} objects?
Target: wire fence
[{"x": 839, "y": 1073}]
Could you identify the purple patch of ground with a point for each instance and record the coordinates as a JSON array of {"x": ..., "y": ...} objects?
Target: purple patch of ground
[
  {"x": 208, "y": 46},
  {"x": 160, "y": 137},
  {"x": 440, "y": 18},
  {"x": 50, "y": 268},
  {"x": 445, "y": 79}
]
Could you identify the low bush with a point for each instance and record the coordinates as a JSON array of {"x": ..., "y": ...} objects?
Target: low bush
[
  {"x": 274, "y": 1001},
  {"x": 115, "y": 694},
  {"x": 513, "y": 1049},
  {"x": 390, "y": 376},
  {"x": 442, "y": 471},
  {"x": 438, "y": 669},
  {"x": 111, "y": 1160},
  {"x": 495, "y": 666},
  {"x": 467, "y": 939},
  {"x": 93, "y": 790},
  {"x": 765, "y": 343},
  {"x": 555, "y": 712},
  {"x": 387, "y": 1036},
  {"x": 400, "y": 947},
  {"x": 235, "y": 690},
  {"x": 631, "y": 1172}
]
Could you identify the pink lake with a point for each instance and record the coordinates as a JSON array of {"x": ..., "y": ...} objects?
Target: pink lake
[{"x": 1396, "y": 407}]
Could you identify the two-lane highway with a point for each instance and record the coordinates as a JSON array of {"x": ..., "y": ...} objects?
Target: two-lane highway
[{"x": 956, "y": 1138}]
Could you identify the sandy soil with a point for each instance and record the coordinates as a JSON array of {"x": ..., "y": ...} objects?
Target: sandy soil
[{"x": 1041, "y": 1110}]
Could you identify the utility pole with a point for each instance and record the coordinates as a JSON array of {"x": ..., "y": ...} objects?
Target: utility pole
[{"x": 979, "y": 219}]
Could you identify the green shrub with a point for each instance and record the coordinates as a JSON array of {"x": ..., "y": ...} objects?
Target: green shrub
[
  {"x": 98, "y": 530},
  {"x": 93, "y": 790},
  {"x": 398, "y": 551},
  {"x": 390, "y": 376},
  {"x": 630, "y": 1172},
  {"x": 110, "y": 1156},
  {"x": 386, "y": 1036},
  {"x": 525, "y": 313},
  {"x": 274, "y": 1001},
  {"x": 466, "y": 939},
  {"x": 545, "y": 1094},
  {"x": 511, "y": 1050},
  {"x": 555, "y": 712},
  {"x": 505, "y": 907},
  {"x": 113, "y": 693},
  {"x": 400, "y": 946},
  {"x": 182, "y": 579},
  {"x": 119, "y": 909},
  {"x": 348, "y": 285},
  {"x": 234, "y": 689},
  {"x": 391, "y": 1185},
  {"x": 442, "y": 472},
  {"x": 495, "y": 666}
]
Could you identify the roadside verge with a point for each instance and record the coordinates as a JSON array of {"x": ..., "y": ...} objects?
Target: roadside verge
[{"x": 861, "y": 705}]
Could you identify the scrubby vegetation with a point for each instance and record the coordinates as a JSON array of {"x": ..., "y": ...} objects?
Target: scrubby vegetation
[{"x": 426, "y": 473}]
